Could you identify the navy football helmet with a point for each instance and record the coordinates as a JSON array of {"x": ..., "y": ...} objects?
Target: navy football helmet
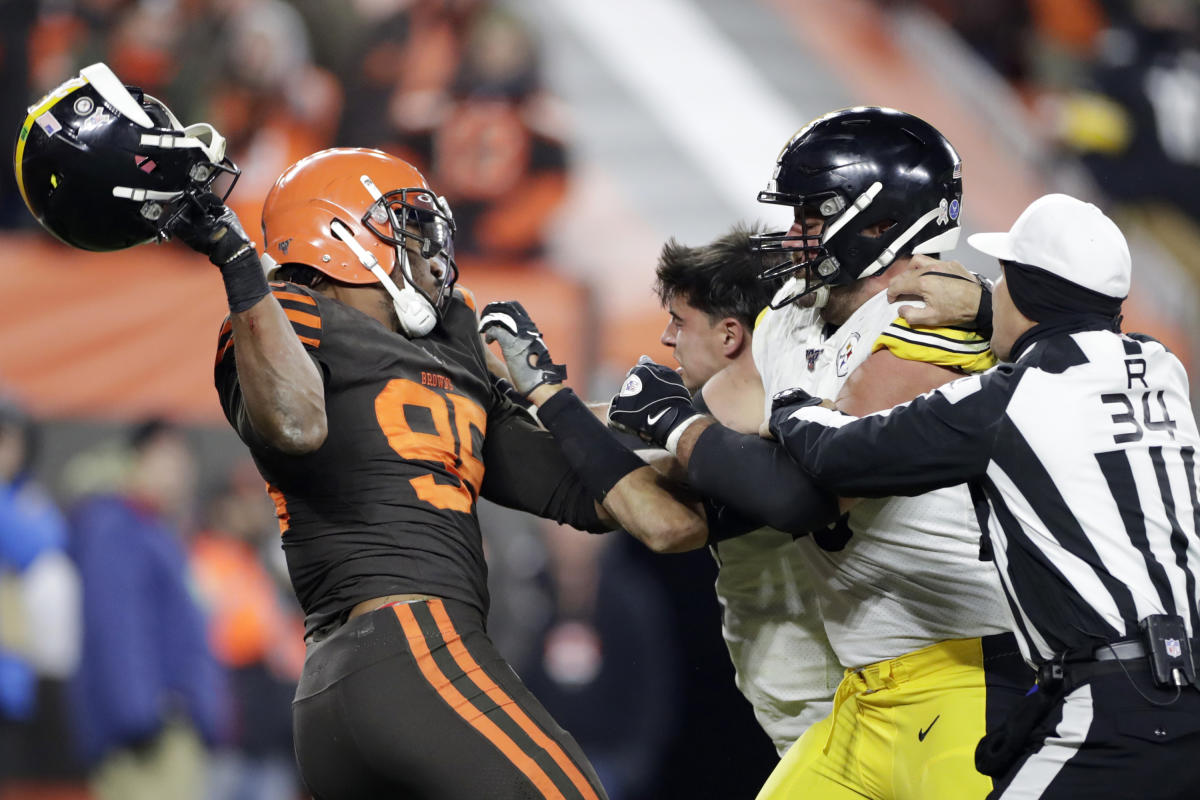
[
  {"x": 103, "y": 166},
  {"x": 884, "y": 183}
]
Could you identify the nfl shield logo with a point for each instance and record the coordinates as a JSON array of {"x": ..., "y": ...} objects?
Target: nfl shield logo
[
  {"x": 1173, "y": 648},
  {"x": 812, "y": 356}
]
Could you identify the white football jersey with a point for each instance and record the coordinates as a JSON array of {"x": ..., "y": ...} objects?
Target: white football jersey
[
  {"x": 909, "y": 573},
  {"x": 785, "y": 666}
]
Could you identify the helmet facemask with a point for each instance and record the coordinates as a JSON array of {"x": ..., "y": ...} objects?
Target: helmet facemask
[
  {"x": 807, "y": 256},
  {"x": 416, "y": 216},
  {"x": 202, "y": 174},
  {"x": 399, "y": 217}
]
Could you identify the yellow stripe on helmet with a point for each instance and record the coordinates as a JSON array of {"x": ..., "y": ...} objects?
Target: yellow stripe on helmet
[{"x": 36, "y": 110}]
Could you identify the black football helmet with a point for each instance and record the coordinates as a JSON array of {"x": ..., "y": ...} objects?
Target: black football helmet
[
  {"x": 856, "y": 169},
  {"x": 104, "y": 166}
]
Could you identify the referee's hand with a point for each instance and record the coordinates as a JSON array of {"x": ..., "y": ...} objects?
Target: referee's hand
[{"x": 950, "y": 292}]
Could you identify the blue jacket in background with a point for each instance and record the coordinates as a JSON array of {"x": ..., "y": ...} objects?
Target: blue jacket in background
[
  {"x": 30, "y": 525},
  {"x": 145, "y": 658}
]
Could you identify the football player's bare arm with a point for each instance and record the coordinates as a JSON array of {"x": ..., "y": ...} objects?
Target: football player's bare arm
[
  {"x": 735, "y": 471},
  {"x": 652, "y": 508},
  {"x": 281, "y": 387},
  {"x": 282, "y": 395},
  {"x": 737, "y": 404},
  {"x": 885, "y": 380},
  {"x": 625, "y": 490},
  {"x": 663, "y": 462},
  {"x": 656, "y": 512}
]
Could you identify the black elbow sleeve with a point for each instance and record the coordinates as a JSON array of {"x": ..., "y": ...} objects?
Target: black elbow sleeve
[{"x": 758, "y": 479}]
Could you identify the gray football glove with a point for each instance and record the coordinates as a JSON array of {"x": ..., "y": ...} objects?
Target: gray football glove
[{"x": 525, "y": 353}]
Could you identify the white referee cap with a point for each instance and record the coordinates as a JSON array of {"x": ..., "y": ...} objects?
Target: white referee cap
[{"x": 1068, "y": 238}]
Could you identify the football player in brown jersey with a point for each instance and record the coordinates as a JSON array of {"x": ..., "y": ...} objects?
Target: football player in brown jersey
[{"x": 359, "y": 383}]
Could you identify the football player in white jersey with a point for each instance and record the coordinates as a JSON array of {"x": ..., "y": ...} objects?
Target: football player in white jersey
[
  {"x": 782, "y": 659},
  {"x": 904, "y": 597}
]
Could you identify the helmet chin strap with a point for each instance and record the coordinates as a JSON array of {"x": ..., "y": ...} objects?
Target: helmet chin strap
[
  {"x": 795, "y": 290},
  {"x": 416, "y": 313}
]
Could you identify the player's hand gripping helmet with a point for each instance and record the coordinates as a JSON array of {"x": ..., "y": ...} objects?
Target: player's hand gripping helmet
[
  {"x": 863, "y": 171},
  {"x": 344, "y": 211},
  {"x": 105, "y": 167}
]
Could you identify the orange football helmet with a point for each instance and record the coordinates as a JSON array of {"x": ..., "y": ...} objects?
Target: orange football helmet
[{"x": 348, "y": 213}]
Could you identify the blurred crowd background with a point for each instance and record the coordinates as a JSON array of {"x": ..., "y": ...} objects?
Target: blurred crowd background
[{"x": 148, "y": 635}]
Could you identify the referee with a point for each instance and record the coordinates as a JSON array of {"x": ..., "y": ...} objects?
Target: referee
[{"x": 1080, "y": 454}]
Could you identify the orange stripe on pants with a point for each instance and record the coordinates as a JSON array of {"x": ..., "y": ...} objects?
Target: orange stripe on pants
[
  {"x": 481, "y": 679},
  {"x": 442, "y": 685}
]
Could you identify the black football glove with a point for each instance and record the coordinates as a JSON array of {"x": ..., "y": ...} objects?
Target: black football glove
[
  {"x": 652, "y": 403},
  {"x": 208, "y": 226},
  {"x": 525, "y": 353},
  {"x": 786, "y": 403}
]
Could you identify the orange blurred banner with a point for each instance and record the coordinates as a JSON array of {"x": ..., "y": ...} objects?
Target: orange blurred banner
[{"x": 130, "y": 334}]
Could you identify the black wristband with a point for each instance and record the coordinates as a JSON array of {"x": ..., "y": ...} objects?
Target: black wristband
[
  {"x": 983, "y": 316},
  {"x": 245, "y": 281},
  {"x": 590, "y": 448}
]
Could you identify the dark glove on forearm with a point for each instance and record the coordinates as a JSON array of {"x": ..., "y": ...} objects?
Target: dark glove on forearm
[
  {"x": 208, "y": 226},
  {"x": 786, "y": 403},
  {"x": 653, "y": 403}
]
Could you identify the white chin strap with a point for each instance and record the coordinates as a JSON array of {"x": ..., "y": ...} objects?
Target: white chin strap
[
  {"x": 416, "y": 314},
  {"x": 946, "y": 240},
  {"x": 793, "y": 290}
]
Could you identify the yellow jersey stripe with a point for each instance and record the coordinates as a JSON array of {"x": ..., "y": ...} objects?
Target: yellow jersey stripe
[{"x": 946, "y": 347}]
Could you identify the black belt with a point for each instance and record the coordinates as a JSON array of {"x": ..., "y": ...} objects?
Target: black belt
[
  {"x": 1128, "y": 650},
  {"x": 1107, "y": 658},
  {"x": 1131, "y": 650}
]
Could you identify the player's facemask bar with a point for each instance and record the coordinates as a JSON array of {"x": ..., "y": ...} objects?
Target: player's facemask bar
[
  {"x": 162, "y": 208},
  {"x": 805, "y": 256},
  {"x": 401, "y": 217},
  {"x": 808, "y": 256}
]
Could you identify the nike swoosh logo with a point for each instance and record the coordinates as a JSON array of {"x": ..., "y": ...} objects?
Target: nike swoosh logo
[
  {"x": 654, "y": 418},
  {"x": 922, "y": 734}
]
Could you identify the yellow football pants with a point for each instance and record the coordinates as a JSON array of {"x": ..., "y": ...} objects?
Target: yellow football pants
[{"x": 903, "y": 729}]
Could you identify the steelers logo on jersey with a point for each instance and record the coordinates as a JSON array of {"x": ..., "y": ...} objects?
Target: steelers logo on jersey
[{"x": 845, "y": 354}]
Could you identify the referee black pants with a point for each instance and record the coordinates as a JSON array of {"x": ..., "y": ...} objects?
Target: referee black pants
[
  {"x": 1115, "y": 736},
  {"x": 413, "y": 701}
]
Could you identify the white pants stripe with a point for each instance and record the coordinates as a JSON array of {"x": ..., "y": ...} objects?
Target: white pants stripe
[{"x": 1042, "y": 766}]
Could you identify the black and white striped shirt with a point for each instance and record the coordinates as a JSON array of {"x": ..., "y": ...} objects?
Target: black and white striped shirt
[{"x": 1081, "y": 458}]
